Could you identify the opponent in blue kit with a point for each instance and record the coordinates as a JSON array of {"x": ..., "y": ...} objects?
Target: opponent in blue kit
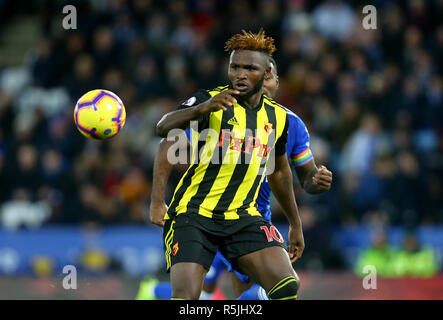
[{"x": 313, "y": 180}]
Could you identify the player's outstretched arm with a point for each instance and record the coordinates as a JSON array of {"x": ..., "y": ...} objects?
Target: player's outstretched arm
[
  {"x": 180, "y": 119},
  {"x": 162, "y": 169},
  {"x": 279, "y": 181},
  {"x": 314, "y": 180}
]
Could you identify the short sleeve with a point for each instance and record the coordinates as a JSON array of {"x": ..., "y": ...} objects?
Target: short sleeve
[
  {"x": 199, "y": 97},
  {"x": 280, "y": 145},
  {"x": 300, "y": 153}
]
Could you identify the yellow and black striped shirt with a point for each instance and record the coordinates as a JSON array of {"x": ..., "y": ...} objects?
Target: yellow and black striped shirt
[{"x": 231, "y": 150}]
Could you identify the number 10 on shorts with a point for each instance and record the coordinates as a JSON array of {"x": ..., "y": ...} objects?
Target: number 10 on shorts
[{"x": 272, "y": 234}]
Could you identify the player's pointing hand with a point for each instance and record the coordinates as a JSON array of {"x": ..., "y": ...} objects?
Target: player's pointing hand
[{"x": 220, "y": 101}]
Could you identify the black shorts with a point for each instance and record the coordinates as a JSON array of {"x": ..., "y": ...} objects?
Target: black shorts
[{"x": 195, "y": 238}]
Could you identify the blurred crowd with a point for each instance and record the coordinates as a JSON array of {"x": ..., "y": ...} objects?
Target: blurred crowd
[
  {"x": 411, "y": 259},
  {"x": 371, "y": 99}
]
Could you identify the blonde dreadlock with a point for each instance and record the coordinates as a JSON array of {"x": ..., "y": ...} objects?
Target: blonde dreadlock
[{"x": 251, "y": 41}]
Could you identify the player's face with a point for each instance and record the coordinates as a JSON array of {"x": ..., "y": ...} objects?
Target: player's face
[
  {"x": 270, "y": 85},
  {"x": 247, "y": 70}
]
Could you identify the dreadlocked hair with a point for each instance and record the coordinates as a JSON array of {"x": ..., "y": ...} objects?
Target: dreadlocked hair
[{"x": 251, "y": 41}]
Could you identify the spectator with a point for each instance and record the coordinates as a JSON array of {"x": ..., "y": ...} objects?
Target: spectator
[
  {"x": 45, "y": 68},
  {"x": 105, "y": 53},
  {"x": 414, "y": 260},
  {"x": 20, "y": 211},
  {"x": 334, "y": 19},
  {"x": 83, "y": 78},
  {"x": 361, "y": 148},
  {"x": 27, "y": 173},
  {"x": 296, "y": 18},
  {"x": 379, "y": 255},
  {"x": 410, "y": 260}
]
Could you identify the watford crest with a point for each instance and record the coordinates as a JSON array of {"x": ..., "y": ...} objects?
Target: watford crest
[
  {"x": 175, "y": 249},
  {"x": 268, "y": 127}
]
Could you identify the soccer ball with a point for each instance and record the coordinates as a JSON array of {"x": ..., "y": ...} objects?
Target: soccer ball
[{"x": 99, "y": 114}]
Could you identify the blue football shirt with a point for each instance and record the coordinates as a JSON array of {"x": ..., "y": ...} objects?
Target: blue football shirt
[{"x": 298, "y": 152}]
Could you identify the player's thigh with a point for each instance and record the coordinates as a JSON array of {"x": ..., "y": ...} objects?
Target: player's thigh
[
  {"x": 266, "y": 266},
  {"x": 215, "y": 271},
  {"x": 209, "y": 287},
  {"x": 187, "y": 280},
  {"x": 189, "y": 254},
  {"x": 258, "y": 251},
  {"x": 238, "y": 285}
]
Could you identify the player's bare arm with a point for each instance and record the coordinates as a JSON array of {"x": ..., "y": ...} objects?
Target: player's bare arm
[
  {"x": 314, "y": 180},
  {"x": 279, "y": 181},
  {"x": 180, "y": 119},
  {"x": 162, "y": 169}
]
